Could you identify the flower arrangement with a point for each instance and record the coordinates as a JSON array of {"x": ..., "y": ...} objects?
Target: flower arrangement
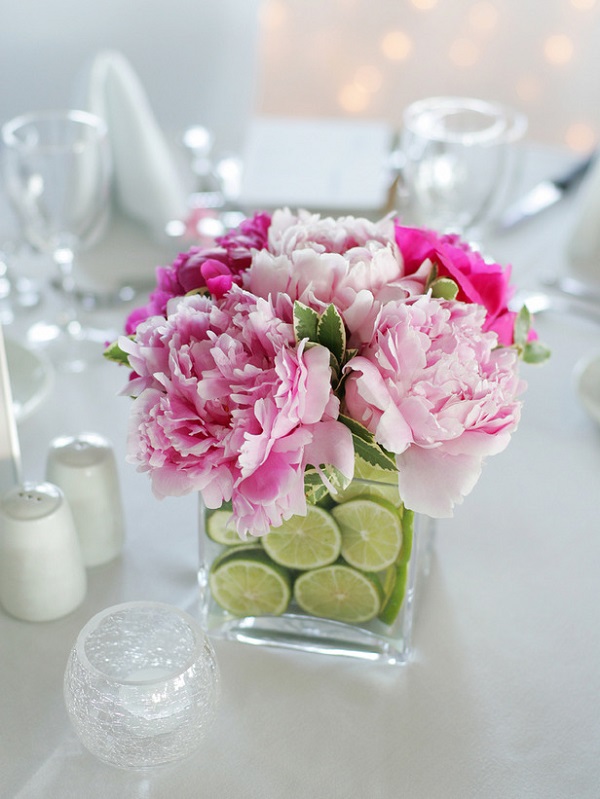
[{"x": 263, "y": 367}]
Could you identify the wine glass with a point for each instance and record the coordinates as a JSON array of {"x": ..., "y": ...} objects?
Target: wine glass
[
  {"x": 458, "y": 161},
  {"x": 57, "y": 177}
]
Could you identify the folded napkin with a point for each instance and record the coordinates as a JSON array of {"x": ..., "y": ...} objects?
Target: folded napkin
[
  {"x": 583, "y": 245},
  {"x": 149, "y": 187}
]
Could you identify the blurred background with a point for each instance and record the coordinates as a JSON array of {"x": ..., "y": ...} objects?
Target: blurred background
[
  {"x": 370, "y": 58},
  {"x": 218, "y": 63}
]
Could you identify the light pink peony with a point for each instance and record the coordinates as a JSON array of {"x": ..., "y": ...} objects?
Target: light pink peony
[
  {"x": 350, "y": 262},
  {"x": 229, "y": 405},
  {"x": 437, "y": 392}
]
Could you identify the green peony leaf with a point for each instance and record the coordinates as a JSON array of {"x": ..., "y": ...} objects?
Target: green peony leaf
[
  {"x": 444, "y": 288},
  {"x": 314, "y": 488},
  {"x": 356, "y": 428},
  {"x": 114, "y": 353},
  {"x": 534, "y": 352},
  {"x": 432, "y": 277},
  {"x": 374, "y": 454},
  {"x": 522, "y": 326},
  {"x": 306, "y": 321},
  {"x": 366, "y": 447},
  {"x": 331, "y": 332}
]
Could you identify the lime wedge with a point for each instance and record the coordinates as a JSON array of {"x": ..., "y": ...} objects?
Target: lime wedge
[
  {"x": 393, "y": 603},
  {"x": 305, "y": 542},
  {"x": 371, "y": 482},
  {"x": 220, "y": 528},
  {"x": 371, "y": 533},
  {"x": 339, "y": 592},
  {"x": 246, "y": 582}
]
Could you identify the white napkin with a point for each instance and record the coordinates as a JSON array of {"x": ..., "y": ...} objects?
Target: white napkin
[
  {"x": 583, "y": 244},
  {"x": 149, "y": 187}
]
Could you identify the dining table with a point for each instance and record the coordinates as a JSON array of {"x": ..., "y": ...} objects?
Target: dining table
[{"x": 500, "y": 698}]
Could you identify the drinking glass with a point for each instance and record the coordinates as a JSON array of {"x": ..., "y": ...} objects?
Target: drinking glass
[
  {"x": 458, "y": 161},
  {"x": 57, "y": 177}
]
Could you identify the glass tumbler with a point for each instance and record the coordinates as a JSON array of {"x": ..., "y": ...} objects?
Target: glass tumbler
[
  {"x": 141, "y": 685},
  {"x": 458, "y": 161}
]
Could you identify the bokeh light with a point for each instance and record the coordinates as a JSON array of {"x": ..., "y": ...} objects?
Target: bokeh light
[
  {"x": 273, "y": 14},
  {"x": 583, "y": 5},
  {"x": 580, "y": 136},
  {"x": 464, "y": 52},
  {"x": 424, "y": 5},
  {"x": 558, "y": 49},
  {"x": 483, "y": 16},
  {"x": 353, "y": 98},
  {"x": 396, "y": 45}
]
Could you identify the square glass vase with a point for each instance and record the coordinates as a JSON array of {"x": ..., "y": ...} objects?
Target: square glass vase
[{"x": 342, "y": 580}]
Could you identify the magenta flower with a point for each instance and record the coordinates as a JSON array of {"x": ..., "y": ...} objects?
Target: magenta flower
[
  {"x": 216, "y": 268},
  {"x": 437, "y": 392},
  {"x": 478, "y": 281},
  {"x": 229, "y": 405}
]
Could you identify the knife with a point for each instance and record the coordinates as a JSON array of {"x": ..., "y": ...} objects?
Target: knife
[{"x": 545, "y": 194}]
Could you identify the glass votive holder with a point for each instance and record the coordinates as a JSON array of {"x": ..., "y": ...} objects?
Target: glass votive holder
[{"x": 141, "y": 685}]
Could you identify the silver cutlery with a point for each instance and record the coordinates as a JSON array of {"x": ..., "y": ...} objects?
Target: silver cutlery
[{"x": 545, "y": 194}]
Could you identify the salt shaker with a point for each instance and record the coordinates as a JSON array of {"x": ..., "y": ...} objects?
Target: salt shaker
[
  {"x": 84, "y": 468},
  {"x": 42, "y": 574}
]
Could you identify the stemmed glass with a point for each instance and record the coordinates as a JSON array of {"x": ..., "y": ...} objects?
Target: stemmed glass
[
  {"x": 458, "y": 161},
  {"x": 57, "y": 175}
]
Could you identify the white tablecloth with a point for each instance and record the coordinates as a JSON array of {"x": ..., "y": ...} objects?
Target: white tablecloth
[{"x": 502, "y": 697}]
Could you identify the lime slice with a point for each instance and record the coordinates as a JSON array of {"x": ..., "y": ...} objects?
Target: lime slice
[
  {"x": 370, "y": 481},
  {"x": 339, "y": 592},
  {"x": 393, "y": 603},
  {"x": 245, "y": 582},
  {"x": 221, "y": 529},
  {"x": 371, "y": 533},
  {"x": 305, "y": 542}
]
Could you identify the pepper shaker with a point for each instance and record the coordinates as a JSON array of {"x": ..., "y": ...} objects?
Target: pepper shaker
[
  {"x": 84, "y": 467},
  {"x": 42, "y": 574}
]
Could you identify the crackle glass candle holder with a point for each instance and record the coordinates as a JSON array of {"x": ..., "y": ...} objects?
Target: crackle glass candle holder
[{"x": 141, "y": 685}]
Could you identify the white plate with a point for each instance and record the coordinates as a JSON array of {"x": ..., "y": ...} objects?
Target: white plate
[
  {"x": 588, "y": 386},
  {"x": 31, "y": 378}
]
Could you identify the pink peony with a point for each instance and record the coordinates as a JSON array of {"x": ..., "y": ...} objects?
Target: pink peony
[
  {"x": 437, "y": 392},
  {"x": 478, "y": 281},
  {"x": 216, "y": 268},
  {"x": 350, "y": 262},
  {"x": 229, "y": 405}
]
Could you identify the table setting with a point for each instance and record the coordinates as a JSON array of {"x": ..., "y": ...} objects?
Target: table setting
[{"x": 315, "y": 513}]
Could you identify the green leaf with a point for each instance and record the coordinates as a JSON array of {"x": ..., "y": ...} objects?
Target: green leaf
[
  {"x": 351, "y": 353},
  {"x": 432, "y": 277},
  {"x": 331, "y": 332},
  {"x": 306, "y": 321},
  {"x": 372, "y": 453},
  {"x": 444, "y": 288},
  {"x": 356, "y": 428},
  {"x": 534, "y": 352},
  {"x": 314, "y": 488},
  {"x": 366, "y": 447},
  {"x": 522, "y": 326},
  {"x": 114, "y": 353}
]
